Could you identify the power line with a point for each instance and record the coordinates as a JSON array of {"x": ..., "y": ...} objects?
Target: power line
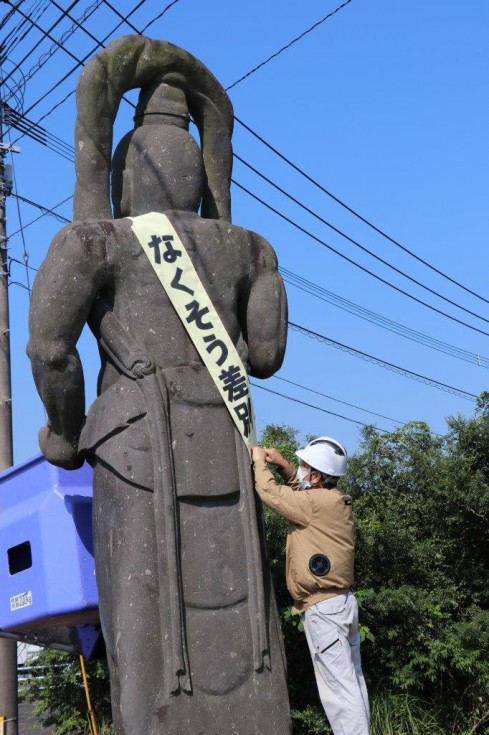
[
  {"x": 80, "y": 62},
  {"x": 20, "y": 262},
  {"x": 45, "y": 33},
  {"x": 440, "y": 346},
  {"x": 160, "y": 15},
  {"x": 39, "y": 42},
  {"x": 78, "y": 24},
  {"x": 316, "y": 408},
  {"x": 44, "y": 210},
  {"x": 353, "y": 262},
  {"x": 340, "y": 302},
  {"x": 21, "y": 285},
  {"x": 44, "y": 58},
  {"x": 337, "y": 400},
  {"x": 383, "y": 363},
  {"x": 9, "y": 14},
  {"x": 145, "y": 28},
  {"x": 55, "y": 107},
  {"x": 25, "y": 254},
  {"x": 288, "y": 45},
  {"x": 355, "y": 213},
  {"x": 119, "y": 15},
  {"x": 15, "y": 91},
  {"x": 355, "y": 242},
  {"x": 8, "y": 47},
  {"x": 33, "y": 130}
]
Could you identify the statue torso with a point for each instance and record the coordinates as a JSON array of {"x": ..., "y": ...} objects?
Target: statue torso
[{"x": 221, "y": 254}]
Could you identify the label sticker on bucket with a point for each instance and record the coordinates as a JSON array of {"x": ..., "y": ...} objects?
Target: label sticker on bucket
[{"x": 22, "y": 600}]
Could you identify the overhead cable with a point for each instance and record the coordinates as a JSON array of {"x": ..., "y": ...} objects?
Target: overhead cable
[
  {"x": 46, "y": 34},
  {"x": 87, "y": 56},
  {"x": 39, "y": 42},
  {"x": 13, "y": 119},
  {"x": 82, "y": 61},
  {"x": 15, "y": 91},
  {"x": 124, "y": 19},
  {"x": 44, "y": 58},
  {"x": 355, "y": 213},
  {"x": 383, "y": 363},
  {"x": 160, "y": 15},
  {"x": 44, "y": 210},
  {"x": 336, "y": 400},
  {"x": 21, "y": 262},
  {"x": 355, "y": 242},
  {"x": 353, "y": 262},
  {"x": 9, "y": 45},
  {"x": 288, "y": 45},
  {"x": 9, "y": 14},
  {"x": 25, "y": 252},
  {"x": 316, "y": 408},
  {"x": 326, "y": 191},
  {"x": 314, "y": 289},
  {"x": 121, "y": 16},
  {"x": 141, "y": 31},
  {"x": 21, "y": 285}
]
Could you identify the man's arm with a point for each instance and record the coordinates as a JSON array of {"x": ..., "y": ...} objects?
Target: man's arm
[
  {"x": 266, "y": 311},
  {"x": 293, "y": 506},
  {"x": 63, "y": 293}
]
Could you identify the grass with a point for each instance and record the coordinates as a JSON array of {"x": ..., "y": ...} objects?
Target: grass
[
  {"x": 404, "y": 715},
  {"x": 392, "y": 714}
]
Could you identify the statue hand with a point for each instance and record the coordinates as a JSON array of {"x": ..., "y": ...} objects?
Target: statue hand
[{"x": 58, "y": 450}]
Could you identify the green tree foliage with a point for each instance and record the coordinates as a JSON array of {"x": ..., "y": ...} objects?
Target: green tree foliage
[
  {"x": 57, "y": 691},
  {"x": 421, "y": 508}
]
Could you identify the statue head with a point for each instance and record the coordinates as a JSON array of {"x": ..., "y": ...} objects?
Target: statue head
[
  {"x": 159, "y": 160},
  {"x": 158, "y": 166}
]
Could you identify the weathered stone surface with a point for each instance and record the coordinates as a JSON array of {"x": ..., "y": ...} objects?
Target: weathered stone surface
[{"x": 187, "y": 610}]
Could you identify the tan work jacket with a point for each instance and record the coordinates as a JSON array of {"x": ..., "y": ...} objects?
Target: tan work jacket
[{"x": 320, "y": 522}]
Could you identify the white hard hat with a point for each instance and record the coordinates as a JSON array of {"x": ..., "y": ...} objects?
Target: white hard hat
[
  {"x": 328, "y": 440},
  {"x": 326, "y": 455}
]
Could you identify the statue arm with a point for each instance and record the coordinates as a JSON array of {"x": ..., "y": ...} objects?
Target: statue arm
[
  {"x": 63, "y": 293},
  {"x": 266, "y": 311}
]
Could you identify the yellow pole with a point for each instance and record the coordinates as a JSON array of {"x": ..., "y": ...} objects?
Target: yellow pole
[
  {"x": 91, "y": 713},
  {"x": 2, "y": 725}
]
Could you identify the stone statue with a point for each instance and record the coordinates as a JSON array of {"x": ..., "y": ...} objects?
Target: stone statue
[{"x": 186, "y": 605}]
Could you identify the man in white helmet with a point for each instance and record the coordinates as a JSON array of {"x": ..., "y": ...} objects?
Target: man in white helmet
[{"x": 319, "y": 571}]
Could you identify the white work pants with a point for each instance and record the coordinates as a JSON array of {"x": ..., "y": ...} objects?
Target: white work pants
[{"x": 331, "y": 629}]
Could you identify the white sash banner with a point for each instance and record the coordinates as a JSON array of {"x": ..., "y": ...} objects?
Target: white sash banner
[{"x": 176, "y": 273}]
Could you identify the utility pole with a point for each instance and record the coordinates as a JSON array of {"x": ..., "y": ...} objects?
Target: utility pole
[{"x": 8, "y": 648}]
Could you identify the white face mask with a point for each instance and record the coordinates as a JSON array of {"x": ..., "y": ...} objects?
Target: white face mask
[{"x": 302, "y": 473}]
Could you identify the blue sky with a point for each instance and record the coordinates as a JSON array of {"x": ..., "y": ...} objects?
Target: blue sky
[{"x": 386, "y": 106}]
